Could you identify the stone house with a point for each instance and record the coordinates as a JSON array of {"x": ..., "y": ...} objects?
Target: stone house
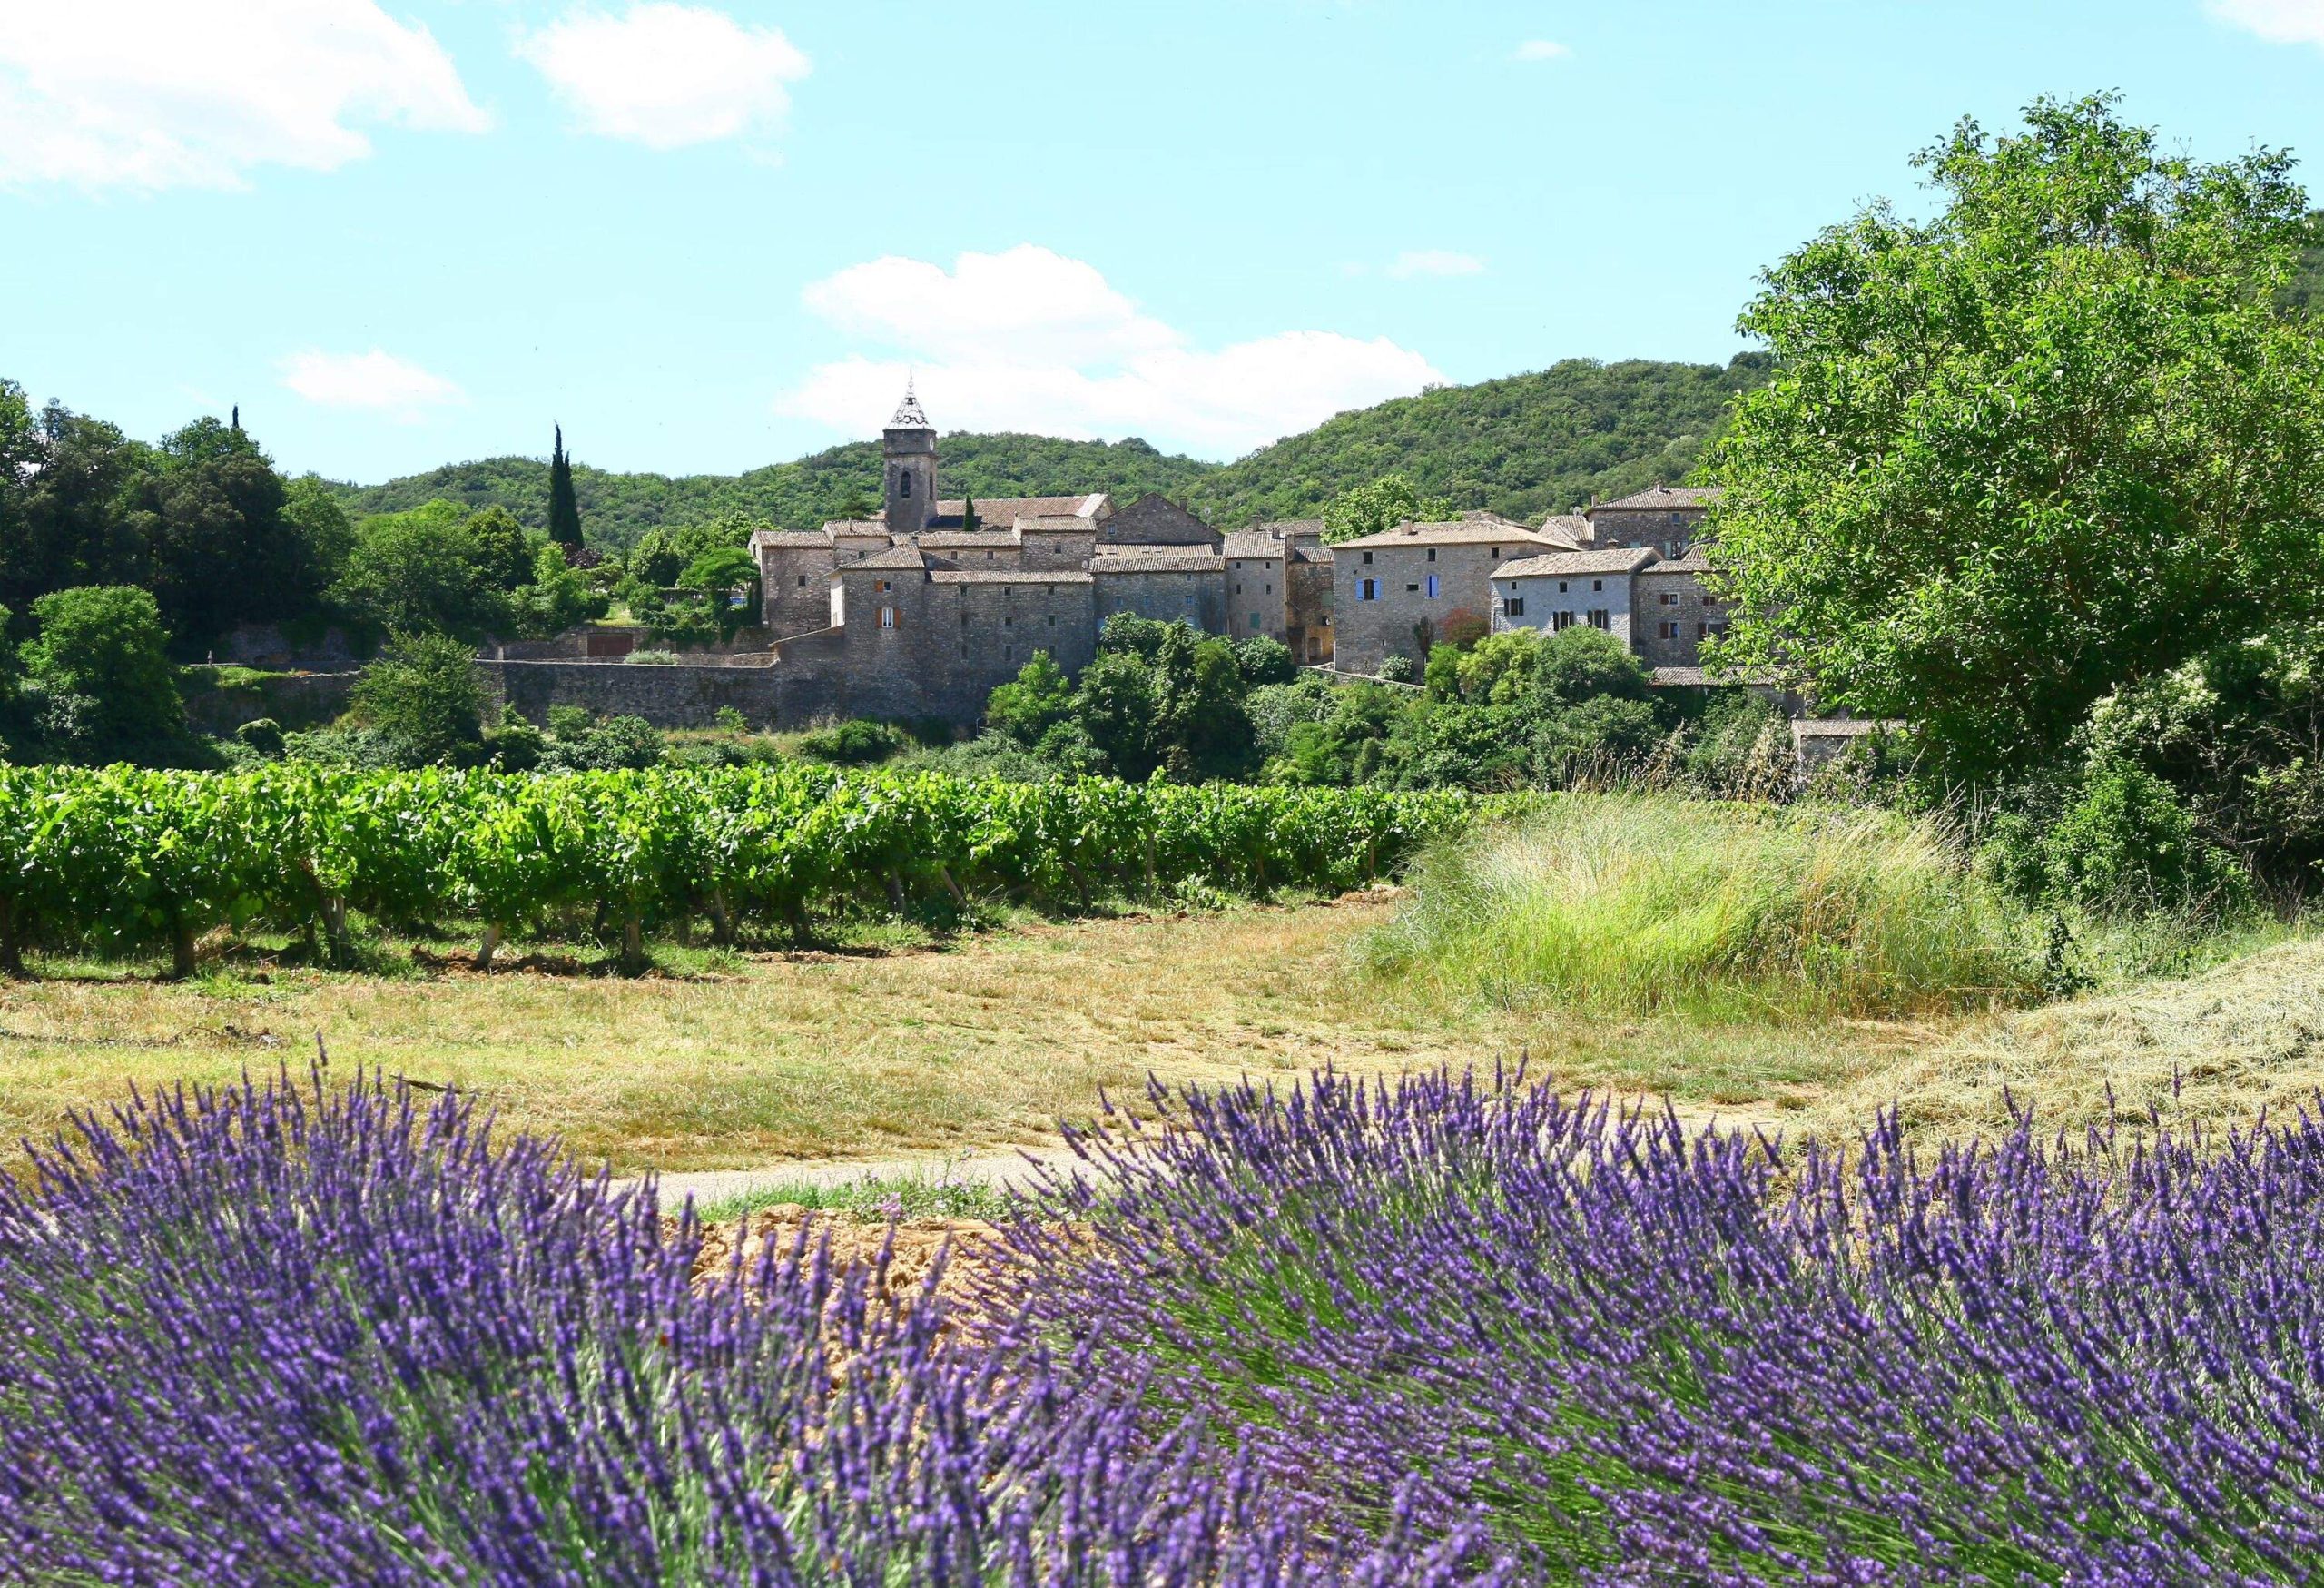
[
  {"x": 1562, "y": 589},
  {"x": 1397, "y": 593},
  {"x": 1675, "y": 614},
  {"x": 1279, "y": 585},
  {"x": 1154, "y": 519},
  {"x": 1666, "y": 518}
]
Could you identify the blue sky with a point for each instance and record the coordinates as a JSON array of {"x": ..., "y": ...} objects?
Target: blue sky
[{"x": 706, "y": 237}]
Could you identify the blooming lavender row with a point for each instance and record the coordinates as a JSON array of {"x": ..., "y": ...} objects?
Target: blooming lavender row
[
  {"x": 304, "y": 1336},
  {"x": 1636, "y": 1354}
]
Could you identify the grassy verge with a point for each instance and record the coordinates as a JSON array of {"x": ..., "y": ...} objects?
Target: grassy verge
[{"x": 1626, "y": 904}]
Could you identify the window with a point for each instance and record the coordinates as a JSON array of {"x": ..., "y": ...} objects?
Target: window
[
  {"x": 1702, "y": 631},
  {"x": 883, "y": 585},
  {"x": 1667, "y": 631},
  {"x": 1367, "y": 589},
  {"x": 1598, "y": 618},
  {"x": 1514, "y": 607},
  {"x": 1597, "y": 584},
  {"x": 1255, "y": 620},
  {"x": 1560, "y": 621},
  {"x": 1495, "y": 554},
  {"x": 1562, "y": 586},
  {"x": 964, "y": 619},
  {"x": 1431, "y": 554},
  {"x": 906, "y": 482},
  {"x": 1238, "y": 589},
  {"x": 1009, "y": 653},
  {"x": 1367, "y": 559},
  {"x": 886, "y": 617},
  {"x": 1052, "y": 620},
  {"x": 1668, "y": 597},
  {"x": 1431, "y": 587},
  {"x": 1270, "y": 589},
  {"x": 1412, "y": 589},
  {"x": 803, "y": 581},
  {"x": 1007, "y": 622}
]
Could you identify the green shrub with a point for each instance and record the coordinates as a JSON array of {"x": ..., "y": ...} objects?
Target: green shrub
[
  {"x": 261, "y": 737},
  {"x": 1395, "y": 670},
  {"x": 1630, "y": 903},
  {"x": 425, "y": 698},
  {"x": 2127, "y": 845},
  {"x": 855, "y": 743},
  {"x": 1262, "y": 660}
]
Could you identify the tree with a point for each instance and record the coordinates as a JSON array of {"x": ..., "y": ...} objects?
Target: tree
[
  {"x": 1037, "y": 700},
  {"x": 559, "y": 597},
  {"x": 1381, "y": 504},
  {"x": 2054, "y": 440},
  {"x": 307, "y": 503},
  {"x": 969, "y": 519},
  {"x": 564, "y": 506},
  {"x": 498, "y": 546},
  {"x": 219, "y": 548},
  {"x": 98, "y": 658},
  {"x": 61, "y": 477},
  {"x": 425, "y": 697},
  {"x": 417, "y": 573}
]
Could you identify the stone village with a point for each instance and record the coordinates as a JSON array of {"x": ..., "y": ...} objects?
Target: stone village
[{"x": 916, "y": 614}]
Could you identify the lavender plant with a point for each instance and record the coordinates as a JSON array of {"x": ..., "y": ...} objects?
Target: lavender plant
[
  {"x": 1638, "y": 1356},
  {"x": 278, "y": 1334}
]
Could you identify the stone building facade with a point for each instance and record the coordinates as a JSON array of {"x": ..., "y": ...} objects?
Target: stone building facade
[
  {"x": 1565, "y": 589},
  {"x": 921, "y": 611},
  {"x": 1397, "y": 593}
]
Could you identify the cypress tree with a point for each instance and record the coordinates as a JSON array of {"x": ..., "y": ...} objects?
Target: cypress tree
[
  {"x": 968, "y": 515},
  {"x": 563, "y": 510}
]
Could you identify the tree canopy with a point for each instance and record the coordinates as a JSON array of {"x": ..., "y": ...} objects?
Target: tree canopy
[{"x": 2057, "y": 438}]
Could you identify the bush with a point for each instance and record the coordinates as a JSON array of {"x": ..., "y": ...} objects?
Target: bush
[
  {"x": 425, "y": 698},
  {"x": 260, "y": 1337},
  {"x": 730, "y": 721},
  {"x": 2127, "y": 845},
  {"x": 1261, "y": 660},
  {"x": 261, "y": 737},
  {"x": 854, "y": 742},
  {"x": 109, "y": 691},
  {"x": 1395, "y": 670},
  {"x": 652, "y": 658},
  {"x": 1627, "y": 904},
  {"x": 616, "y": 745}
]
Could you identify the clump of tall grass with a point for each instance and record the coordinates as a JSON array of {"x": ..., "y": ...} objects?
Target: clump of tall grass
[{"x": 1636, "y": 904}]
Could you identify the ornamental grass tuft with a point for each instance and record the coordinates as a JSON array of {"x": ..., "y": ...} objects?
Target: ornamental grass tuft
[{"x": 1634, "y": 904}]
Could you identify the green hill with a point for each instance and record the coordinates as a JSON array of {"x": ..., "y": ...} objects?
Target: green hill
[
  {"x": 1577, "y": 432},
  {"x": 1529, "y": 444}
]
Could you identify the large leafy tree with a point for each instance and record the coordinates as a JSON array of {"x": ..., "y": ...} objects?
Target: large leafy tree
[
  {"x": 2060, "y": 435},
  {"x": 422, "y": 572},
  {"x": 219, "y": 548},
  {"x": 62, "y": 478},
  {"x": 97, "y": 660},
  {"x": 1378, "y": 504}
]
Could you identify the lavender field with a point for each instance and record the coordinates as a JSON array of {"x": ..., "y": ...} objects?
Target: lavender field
[{"x": 1442, "y": 1332}]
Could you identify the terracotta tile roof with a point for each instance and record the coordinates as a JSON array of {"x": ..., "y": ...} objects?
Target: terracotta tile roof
[
  {"x": 1456, "y": 532},
  {"x": 1158, "y": 561},
  {"x": 1667, "y": 499},
  {"x": 964, "y": 540},
  {"x": 801, "y": 537},
  {"x": 1008, "y": 576},
  {"x": 1007, "y": 510},
  {"x": 1258, "y": 542},
  {"x": 1694, "y": 563},
  {"x": 1571, "y": 527},
  {"x": 1056, "y": 524},
  {"x": 1562, "y": 564},
  {"x": 895, "y": 560}
]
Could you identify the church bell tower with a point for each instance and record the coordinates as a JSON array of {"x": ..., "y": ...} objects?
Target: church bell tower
[{"x": 910, "y": 445}]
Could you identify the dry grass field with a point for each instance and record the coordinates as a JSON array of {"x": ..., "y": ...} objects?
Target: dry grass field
[{"x": 756, "y": 1059}]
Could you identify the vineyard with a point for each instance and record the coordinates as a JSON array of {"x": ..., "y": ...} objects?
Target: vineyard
[{"x": 119, "y": 859}]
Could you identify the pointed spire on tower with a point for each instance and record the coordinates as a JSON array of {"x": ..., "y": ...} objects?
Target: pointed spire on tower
[{"x": 910, "y": 416}]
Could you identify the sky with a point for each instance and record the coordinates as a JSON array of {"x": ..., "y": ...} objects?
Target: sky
[{"x": 707, "y": 237}]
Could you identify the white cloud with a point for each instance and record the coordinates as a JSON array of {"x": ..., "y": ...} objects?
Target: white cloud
[
  {"x": 1032, "y": 341},
  {"x": 1434, "y": 262},
  {"x": 1543, "y": 50},
  {"x": 376, "y": 381},
  {"x": 2282, "y": 22},
  {"x": 156, "y": 94},
  {"x": 666, "y": 76}
]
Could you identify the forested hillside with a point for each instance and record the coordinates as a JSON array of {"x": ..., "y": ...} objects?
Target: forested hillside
[
  {"x": 1528, "y": 444},
  {"x": 616, "y": 508},
  {"x": 1576, "y": 432}
]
